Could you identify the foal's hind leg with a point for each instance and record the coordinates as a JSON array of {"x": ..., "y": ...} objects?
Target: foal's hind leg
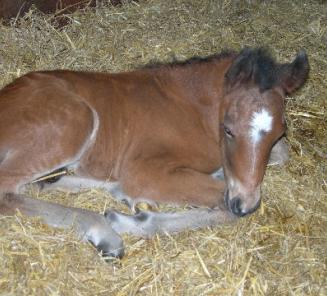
[
  {"x": 279, "y": 154},
  {"x": 76, "y": 183},
  {"x": 89, "y": 226}
]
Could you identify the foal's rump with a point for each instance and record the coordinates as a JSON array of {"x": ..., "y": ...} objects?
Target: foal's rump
[
  {"x": 45, "y": 126},
  {"x": 48, "y": 130}
]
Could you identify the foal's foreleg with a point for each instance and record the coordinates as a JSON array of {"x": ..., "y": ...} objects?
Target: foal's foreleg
[
  {"x": 146, "y": 224},
  {"x": 154, "y": 181},
  {"x": 89, "y": 226},
  {"x": 184, "y": 186}
]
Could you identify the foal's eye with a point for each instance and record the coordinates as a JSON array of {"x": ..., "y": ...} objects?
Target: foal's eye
[{"x": 228, "y": 132}]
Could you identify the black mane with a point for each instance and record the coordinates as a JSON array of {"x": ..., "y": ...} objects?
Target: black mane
[
  {"x": 254, "y": 65},
  {"x": 249, "y": 65},
  {"x": 191, "y": 61}
]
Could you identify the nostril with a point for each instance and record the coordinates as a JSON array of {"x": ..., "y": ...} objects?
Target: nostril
[{"x": 235, "y": 207}]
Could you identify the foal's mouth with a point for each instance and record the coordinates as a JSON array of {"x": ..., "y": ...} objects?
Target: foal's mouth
[{"x": 234, "y": 205}]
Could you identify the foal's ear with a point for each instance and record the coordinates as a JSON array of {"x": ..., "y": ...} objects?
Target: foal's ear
[
  {"x": 240, "y": 71},
  {"x": 292, "y": 76}
]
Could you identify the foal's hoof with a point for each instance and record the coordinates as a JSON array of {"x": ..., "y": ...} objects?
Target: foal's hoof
[
  {"x": 104, "y": 238},
  {"x": 106, "y": 250}
]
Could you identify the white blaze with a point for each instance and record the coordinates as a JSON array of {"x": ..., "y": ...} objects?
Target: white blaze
[{"x": 260, "y": 122}]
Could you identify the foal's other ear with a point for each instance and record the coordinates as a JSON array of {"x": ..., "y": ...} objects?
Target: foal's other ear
[
  {"x": 292, "y": 76},
  {"x": 240, "y": 70}
]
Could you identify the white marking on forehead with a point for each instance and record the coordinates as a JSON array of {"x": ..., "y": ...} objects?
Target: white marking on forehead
[{"x": 260, "y": 122}]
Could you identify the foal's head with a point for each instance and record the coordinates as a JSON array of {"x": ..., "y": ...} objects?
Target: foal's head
[{"x": 252, "y": 121}]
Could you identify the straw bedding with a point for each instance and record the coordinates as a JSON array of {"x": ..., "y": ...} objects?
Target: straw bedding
[{"x": 279, "y": 250}]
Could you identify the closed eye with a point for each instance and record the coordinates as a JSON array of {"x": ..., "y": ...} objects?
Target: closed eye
[{"x": 228, "y": 132}]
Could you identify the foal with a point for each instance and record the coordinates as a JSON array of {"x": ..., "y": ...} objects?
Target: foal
[{"x": 199, "y": 132}]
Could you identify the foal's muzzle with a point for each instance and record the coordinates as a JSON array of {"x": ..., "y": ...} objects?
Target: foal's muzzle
[{"x": 234, "y": 204}]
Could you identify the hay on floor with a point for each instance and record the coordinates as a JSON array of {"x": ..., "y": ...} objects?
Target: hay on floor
[{"x": 279, "y": 250}]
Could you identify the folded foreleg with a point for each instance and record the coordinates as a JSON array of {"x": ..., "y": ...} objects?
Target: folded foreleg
[{"x": 147, "y": 223}]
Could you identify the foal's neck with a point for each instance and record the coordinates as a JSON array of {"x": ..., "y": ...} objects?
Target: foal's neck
[{"x": 200, "y": 82}]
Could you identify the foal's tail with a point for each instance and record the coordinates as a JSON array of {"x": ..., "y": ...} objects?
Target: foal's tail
[{"x": 147, "y": 224}]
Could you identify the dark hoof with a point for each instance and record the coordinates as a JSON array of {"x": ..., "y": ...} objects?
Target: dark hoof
[{"x": 106, "y": 250}]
